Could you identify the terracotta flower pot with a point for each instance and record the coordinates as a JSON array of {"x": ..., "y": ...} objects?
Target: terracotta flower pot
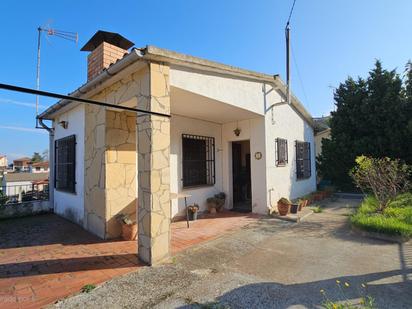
[
  {"x": 302, "y": 204},
  {"x": 129, "y": 231},
  {"x": 212, "y": 210},
  {"x": 283, "y": 209}
]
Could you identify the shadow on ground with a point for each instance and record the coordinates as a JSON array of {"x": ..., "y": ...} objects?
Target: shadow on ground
[{"x": 273, "y": 295}]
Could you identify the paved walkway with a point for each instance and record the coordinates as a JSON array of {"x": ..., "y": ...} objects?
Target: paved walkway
[
  {"x": 269, "y": 264},
  {"x": 45, "y": 258}
]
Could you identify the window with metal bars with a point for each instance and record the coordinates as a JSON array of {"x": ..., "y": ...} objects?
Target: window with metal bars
[
  {"x": 65, "y": 164},
  {"x": 303, "y": 165},
  {"x": 281, "y": 152},
  {"x": 198, "y": 160}
]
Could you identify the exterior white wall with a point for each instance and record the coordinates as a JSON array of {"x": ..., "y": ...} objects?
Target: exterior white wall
[
  {"x": 241, "y": 93},
  {"x": 183, "y": 125},
  {"x": 286, "y": 123},
  {"x": 41, "y": 170},
  {"x": 254, "y": 131},
  {"x": 16, "y": 187},
  {"x": 269, "y": 182},
  {"x": 71, "y": 205}
]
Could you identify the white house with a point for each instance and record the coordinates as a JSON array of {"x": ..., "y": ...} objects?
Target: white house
[
  {"x": 15, "y": 184},
  {"x": 39, "y": 167},
  {"x": 230, "y": 131}
]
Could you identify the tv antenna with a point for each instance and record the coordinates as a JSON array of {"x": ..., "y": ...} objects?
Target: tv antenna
[{"x": 70, "y": 36}]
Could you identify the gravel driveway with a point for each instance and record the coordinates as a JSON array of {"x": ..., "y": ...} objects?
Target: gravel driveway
[{"x": 270, "y": 264}]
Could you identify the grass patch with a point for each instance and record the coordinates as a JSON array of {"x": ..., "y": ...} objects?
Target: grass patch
[
  {"x": 396, "y": 219},
  {"x": 317, "y": 209},
  {"x": 88, "y": 288}
]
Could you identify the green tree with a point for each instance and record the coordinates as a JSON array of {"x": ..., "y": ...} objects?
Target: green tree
[
  {"x": 36, "y": 157},
  {"x": 371, "y": 119}
]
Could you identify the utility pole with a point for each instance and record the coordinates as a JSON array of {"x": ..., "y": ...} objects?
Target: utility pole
[
  {"x": 71, "y": 36},
  {"x": 287, "y": 35}
]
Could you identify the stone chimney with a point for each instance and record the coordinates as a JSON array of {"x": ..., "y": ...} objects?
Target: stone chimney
[{"x": 106, "y": 48}]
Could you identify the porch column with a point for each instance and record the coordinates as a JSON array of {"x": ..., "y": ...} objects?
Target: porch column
[{"x": 153, "y": 167}]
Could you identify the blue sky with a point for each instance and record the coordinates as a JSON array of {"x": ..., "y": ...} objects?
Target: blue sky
[{"x": 330, "y": 40}]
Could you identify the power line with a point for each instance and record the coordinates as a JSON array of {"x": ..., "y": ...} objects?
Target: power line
[
  {"x": 70, "y": 98},
  {"x": 299, "y": 76},
  {"x": 291, "y": 11}
]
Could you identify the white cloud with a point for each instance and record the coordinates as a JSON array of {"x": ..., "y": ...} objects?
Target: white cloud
[
  {"x": 24, "y": 129},
  {"x": 20, "y": 103}
]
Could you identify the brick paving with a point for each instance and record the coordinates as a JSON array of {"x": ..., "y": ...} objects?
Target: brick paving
[{"x": 45, "y": 258}]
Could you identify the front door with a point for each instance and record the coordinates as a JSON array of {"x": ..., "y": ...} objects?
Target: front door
[{"x": 242, "y": 197}]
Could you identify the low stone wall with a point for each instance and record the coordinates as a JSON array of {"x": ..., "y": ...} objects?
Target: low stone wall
[{"x": 24, "y": 209}]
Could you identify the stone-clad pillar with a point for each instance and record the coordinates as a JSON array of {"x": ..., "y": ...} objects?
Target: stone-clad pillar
[{"x": 153, "y": 168}]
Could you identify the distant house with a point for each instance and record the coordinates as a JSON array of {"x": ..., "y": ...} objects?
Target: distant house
[
  {"x": 322, "y": 131},
  {"x": 3, "y": 162},
  {"x": 39, "y": 167},
  {"x": 15, "y": 184},
  {"x": 21, "y": 164}
]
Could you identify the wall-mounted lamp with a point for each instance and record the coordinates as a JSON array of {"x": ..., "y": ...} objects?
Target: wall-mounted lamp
[{"x": 64, "y": 124}]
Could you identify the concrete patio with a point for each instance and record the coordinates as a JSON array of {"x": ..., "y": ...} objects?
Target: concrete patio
[{"x": 45, "y": 258}]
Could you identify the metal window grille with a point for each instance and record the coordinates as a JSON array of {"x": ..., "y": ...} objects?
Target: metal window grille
[
  {"x": 198, "y": 160},
  {"x": 65, "y": 164},
  {"x": 303, "y": 165},
  {"x": 281, "y": 152}
]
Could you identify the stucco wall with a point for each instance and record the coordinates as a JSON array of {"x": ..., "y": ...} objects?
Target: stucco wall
[
  {"x": 285, "y": 123},
  {"x": 71, "y": 205},
  {"x": 23, "y": 209},
  {"x": 183, "y": 125},
  {"x": 254, "y": 131},
  {"x": 238, "y": 92}
]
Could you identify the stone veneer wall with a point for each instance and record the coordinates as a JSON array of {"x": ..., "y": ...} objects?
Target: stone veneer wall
[
  {"x": 107, "y": 160},
  {"x": 94, "y": 174},
  {"x": 109, "y": 179},
  {"x": 121, "y": 169},
  {"x": 154, "y": 170}
]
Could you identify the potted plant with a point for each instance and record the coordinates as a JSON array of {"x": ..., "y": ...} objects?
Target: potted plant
[
  {"x": 283, "y": 206},
  {"x": 193, "y": 210},
  {"x": 220, "y": 200},
  {"x": 211, "y": 204},
  {"x": 303, "y": 202},
  {"x": 129, "y": 227},
  {"x": 317, "y": 196},
  {"x": 294, "y": 208},
  {"x": 216, "y": 202}
]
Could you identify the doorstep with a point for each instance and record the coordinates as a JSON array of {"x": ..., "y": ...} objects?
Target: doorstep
[{"x": 298, "y": 217}]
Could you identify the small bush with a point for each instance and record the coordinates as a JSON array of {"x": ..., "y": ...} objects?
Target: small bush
[
  {"x": 317, "y": 209},
  {"x": 384, "y": 177}
]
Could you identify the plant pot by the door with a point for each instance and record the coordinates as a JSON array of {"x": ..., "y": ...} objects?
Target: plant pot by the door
[
  {"x": 192, "y": 211},
  {"x": 283, "y": 206},
  {"x": 192, "y": 216},
  {"x": 129, "y": 226},
  {"x": 294, "y": 208},
  {"x": 212, "y": 205},
  {"x": 129, "y": 231}
]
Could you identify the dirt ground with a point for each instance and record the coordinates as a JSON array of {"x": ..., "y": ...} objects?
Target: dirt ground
[{"x": 270, "y": 264}]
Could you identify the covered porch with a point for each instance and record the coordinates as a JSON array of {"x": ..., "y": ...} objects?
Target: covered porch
[{"x": 205, "y": 135}]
